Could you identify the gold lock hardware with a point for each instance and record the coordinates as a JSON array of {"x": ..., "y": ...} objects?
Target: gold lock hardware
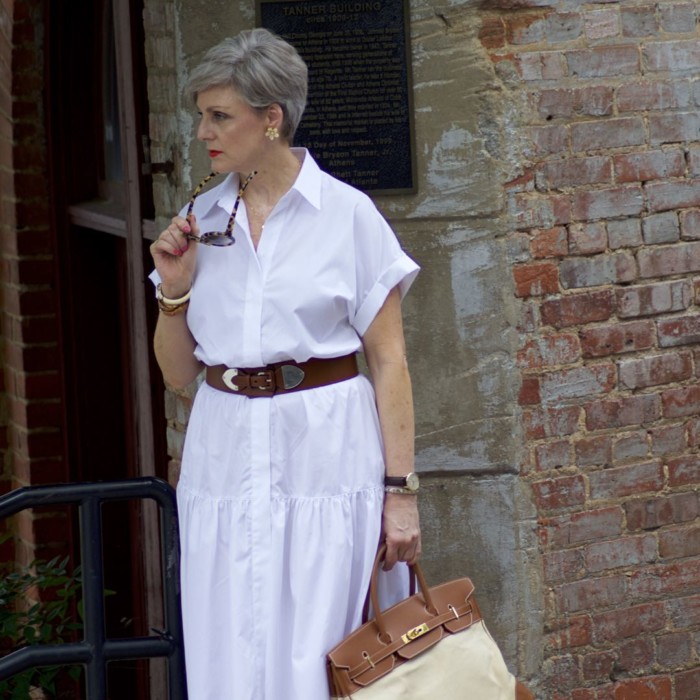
[{"x": 415, "y": 633}]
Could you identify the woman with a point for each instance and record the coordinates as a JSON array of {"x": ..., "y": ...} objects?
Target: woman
[{"x": 282, "y": 495}]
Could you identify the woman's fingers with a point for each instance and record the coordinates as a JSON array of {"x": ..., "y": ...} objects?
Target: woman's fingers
[
  {"x": 173, "y": 240},
  {"x": 401, "y": 530}
]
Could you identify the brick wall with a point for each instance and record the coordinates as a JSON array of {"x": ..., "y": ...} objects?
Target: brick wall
[
  {"x": 607, "y": 271},
  {"x": 31, "y": 438}
]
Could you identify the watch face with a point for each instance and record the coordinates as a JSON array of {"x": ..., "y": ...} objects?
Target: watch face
[{"x": 412, "y": 481}]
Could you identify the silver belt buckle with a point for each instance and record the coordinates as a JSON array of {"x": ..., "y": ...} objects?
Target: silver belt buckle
[
  {"x": 228, "y": 376},
  {"x": 292, "y": 376}
]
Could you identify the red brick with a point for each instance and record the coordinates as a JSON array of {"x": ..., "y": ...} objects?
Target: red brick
[
  {"x": 687, "y": 684},
  {"x": 562, "y": 673},
  {"x": 570, "y": 633},
  {"x": 592, "y": 593},
  {"x": 547, "y": 140},
  {"x": 529, "y": 394},
  {"x": 685, "y": 612},
  {"x": 533, "y": 210},
  {"x": 603, "y": 62},
  {"x": 554, "y": 421},
  {"x": 690, "y": 224},
  {"x": 636, "y": 656},
  {"x": 549, "y": 350},
  {"x": 36, "y": 358},
  {"x": 576, "y": 528},
  {"x": 559, "y": 103},
  {"x": 625, "y": 411},
  {"x": 661, "y": 228},
  {"x": 578, "y": 309},
  {"x": 673, "y": 128},
  {"x": 549, "y": 243},
  {"x": 536, "y": 279},
  {"x": 626, "y": 481},
  {"x": 44, "y": 385},
  {"x": 38, "y": 444},
  {"x": 684, "y": 401},
  {"x": 608, "y": 203},
  {"x": 668, "y": 440},
  {"x": 553, "y": 455},
  {"x": 29, "y": 271},
  {"x": 665, "y": 261},
  {"x": 624, "y": 233},
  {"x": 653, "y": 299},
  {"x": 673, "y": 56},
  {"x": 681, "y": 330},
  {"x": 679, "y": 194},
  {"x": 598, "y": 665},
  {"x": 674, "y": 650},
  {"x": 639, "y": 373},
  {"x": 29, "y": 302},
  {"x": 665, "y": 580},
  {"x": 34, "y": 329},
  {"x": 653, "y": 513},
  {"x": 590, "y": 693},
  {"x": 574, "y": 172},
  {"x": 32, "y": 415},
  {"x": 624, "y": 623},
  {"x": 619, "y": 338},
  {"x": 586, "y": 239},
  {"x": 684, "y": 471},
  {"x": 564, "y": 26},
  {"x": 607, "y": 133},
  {"x": 492, "y": 33},
  {"x": 658, "y": 688},
  {"x": 679, "y": 543},
  {"x": 677, "y": 17},
  {"x": 639, "y": 21},
  {"x": 655, "y": 96},
  {"x": 594, "y": 451},
  {"x": 632, "y": 447},
  {"x": 563, "y": 565},
  {"x": 624, "y": 552},
  {"x": 577, "y": 382},
  {"x": 540, "y": 65},
  {"x": 525, "y": 28},
  {"x": 564, "y": 492}
]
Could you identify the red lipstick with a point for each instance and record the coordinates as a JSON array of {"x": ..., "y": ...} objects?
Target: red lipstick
[{"x": 213, "y": 154}]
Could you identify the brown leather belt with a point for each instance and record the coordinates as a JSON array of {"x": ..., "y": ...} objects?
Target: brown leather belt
[{"x": 282, "y": 377}]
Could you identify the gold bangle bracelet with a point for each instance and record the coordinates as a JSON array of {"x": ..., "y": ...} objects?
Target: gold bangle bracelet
[
  {"x": 172, "y": 302},
  {"x": 173, "y": 309}
]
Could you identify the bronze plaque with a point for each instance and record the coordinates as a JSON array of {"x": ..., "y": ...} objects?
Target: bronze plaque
[{"x": 358, "y": 122}]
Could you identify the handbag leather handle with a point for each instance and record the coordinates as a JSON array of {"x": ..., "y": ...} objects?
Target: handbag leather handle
[{"x": 416, "y": 571}]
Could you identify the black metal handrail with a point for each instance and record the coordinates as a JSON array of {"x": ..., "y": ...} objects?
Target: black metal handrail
[{"x": 96, "y": 649}]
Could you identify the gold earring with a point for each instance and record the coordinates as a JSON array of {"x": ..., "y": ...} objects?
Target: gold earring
[{"x": 272, "y": 133}]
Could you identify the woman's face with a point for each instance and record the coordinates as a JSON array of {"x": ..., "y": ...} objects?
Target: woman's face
[{"x": 233, "y": 132}]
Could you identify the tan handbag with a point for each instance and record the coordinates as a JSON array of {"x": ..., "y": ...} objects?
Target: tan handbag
[{"x": 433, "y": 645}]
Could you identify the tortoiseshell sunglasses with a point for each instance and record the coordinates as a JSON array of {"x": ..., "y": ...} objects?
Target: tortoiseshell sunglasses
[{"x": 217, "y": 238}]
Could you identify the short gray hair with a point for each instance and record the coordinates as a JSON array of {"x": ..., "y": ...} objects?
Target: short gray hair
[{"x": 262, "y": 68}]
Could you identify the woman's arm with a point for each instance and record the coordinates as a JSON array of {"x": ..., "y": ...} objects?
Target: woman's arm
[
  {"x": 174, "y": 348},
  {"x": 385, "y": 352},
  {"x": 173, "y": 343}
]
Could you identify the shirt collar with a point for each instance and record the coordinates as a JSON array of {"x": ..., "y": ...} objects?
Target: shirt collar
[{"x": 307, "y": 184}]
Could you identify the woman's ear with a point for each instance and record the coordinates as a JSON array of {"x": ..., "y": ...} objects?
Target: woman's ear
[{"x": 275, "y": 115}]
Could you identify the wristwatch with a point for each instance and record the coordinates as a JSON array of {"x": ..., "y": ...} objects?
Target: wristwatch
[{"x": 408, "y": 484}]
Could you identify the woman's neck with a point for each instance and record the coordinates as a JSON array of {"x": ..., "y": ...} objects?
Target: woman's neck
[{"x": 272, "y": 180}]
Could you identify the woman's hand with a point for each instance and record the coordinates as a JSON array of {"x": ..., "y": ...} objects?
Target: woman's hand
[
  {"x": 401, "y": 529},
  {"x": 174, "y": 257}
]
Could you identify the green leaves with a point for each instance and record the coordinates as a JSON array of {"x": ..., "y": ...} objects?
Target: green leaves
[{"x": 36, "y": 606}]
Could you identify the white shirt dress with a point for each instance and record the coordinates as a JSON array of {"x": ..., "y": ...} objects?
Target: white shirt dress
[{"x": 280, "y": 499}]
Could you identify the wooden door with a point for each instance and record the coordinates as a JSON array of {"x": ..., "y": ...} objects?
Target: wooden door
[{"x": 103, "y": 219}]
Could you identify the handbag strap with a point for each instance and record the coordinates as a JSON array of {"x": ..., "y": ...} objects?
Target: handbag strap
[
  {"x": 411, "y": 591},
  {"x": 416, "y": 571}
]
